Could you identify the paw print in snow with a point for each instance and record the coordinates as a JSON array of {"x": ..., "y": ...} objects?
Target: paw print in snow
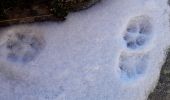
[
  {"x": 23, "y": 47},
  {"x": 133, "y": 66},
  {"x": 138, "y": 32}
]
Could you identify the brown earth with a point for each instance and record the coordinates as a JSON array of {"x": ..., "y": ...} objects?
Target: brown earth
[{"x": 41, "y": 10}]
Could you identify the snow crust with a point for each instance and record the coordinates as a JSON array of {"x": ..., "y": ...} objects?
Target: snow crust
[{"x": 112, "y": 51}]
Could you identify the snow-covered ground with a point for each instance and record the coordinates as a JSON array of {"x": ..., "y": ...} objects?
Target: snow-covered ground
[{"x": 112, "y": 51}]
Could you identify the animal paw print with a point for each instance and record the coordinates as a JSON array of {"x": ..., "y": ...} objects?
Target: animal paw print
[
  {"x": 132, "y": 66},
  {"x": 138, "y": 32},
  {"x": 23, "y": 47}
]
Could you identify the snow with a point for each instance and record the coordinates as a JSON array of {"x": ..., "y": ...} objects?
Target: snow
[{"x": 112, "y": 51}]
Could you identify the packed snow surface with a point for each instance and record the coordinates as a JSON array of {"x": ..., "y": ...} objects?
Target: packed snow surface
[{"x": 112, "y": 51}]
